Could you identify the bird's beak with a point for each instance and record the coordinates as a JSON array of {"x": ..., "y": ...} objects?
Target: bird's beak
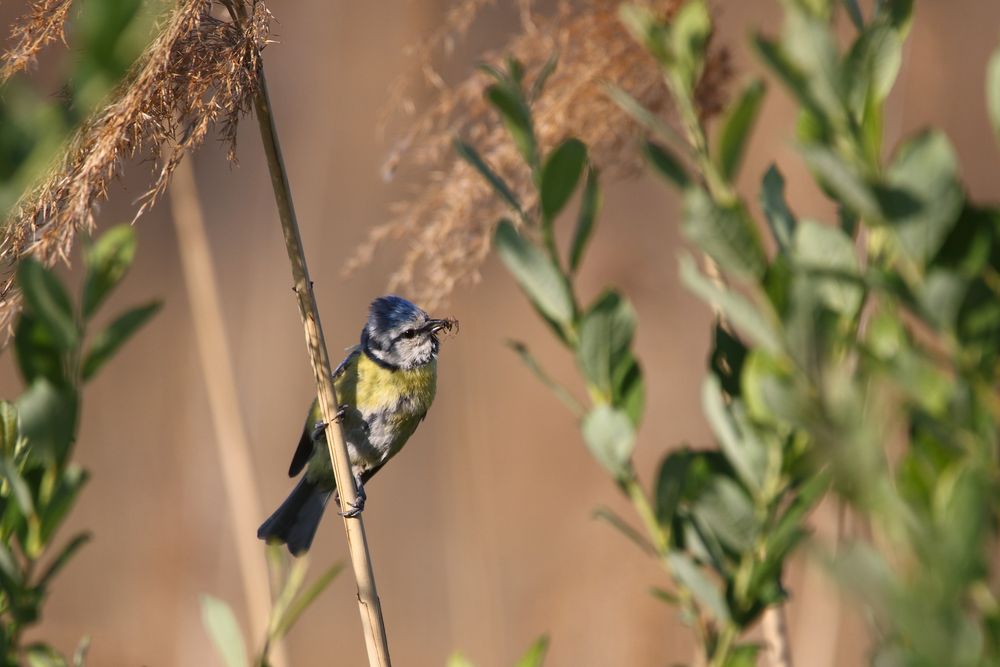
[{"x": 433, "y": 326}]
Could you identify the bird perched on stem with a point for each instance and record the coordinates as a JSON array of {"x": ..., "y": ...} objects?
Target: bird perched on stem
[{"x": 384, "y": 388}]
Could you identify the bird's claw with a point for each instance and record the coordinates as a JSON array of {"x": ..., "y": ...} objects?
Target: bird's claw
[
  {"x": 338, "y": 417},
  {"x": 354, "y": 509}
]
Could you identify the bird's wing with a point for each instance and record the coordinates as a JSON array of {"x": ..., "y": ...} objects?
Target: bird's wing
[
  {"x": 352, "y": 355},
  {"x": 305, "y": 447}
]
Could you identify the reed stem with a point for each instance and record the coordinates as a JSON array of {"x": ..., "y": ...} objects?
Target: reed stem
[
  {"x": 368, "y": 601},
  {"x": 220, "y": 382}
]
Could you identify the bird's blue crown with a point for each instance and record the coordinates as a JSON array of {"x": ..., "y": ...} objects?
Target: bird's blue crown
[{"x": 388, "y": 312}]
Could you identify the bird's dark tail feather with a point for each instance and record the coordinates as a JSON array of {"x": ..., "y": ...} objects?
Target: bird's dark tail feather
[{"x": 295, "y": 521}]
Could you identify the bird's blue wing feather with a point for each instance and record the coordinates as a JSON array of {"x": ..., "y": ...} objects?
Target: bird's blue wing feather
[{"x": 305, "y": 447}]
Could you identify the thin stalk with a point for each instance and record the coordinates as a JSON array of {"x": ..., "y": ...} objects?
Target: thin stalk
[
  {"x": 776, "y": 637},
  {"x": 220, "y": 381},
  {"x": 723, "y": 648},
  {"x": 723, "y": 193},
  {"x": 368, "y": 602},
  {"x": 661, "y": 541}
]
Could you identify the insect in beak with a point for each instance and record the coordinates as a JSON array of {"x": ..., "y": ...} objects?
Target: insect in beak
[{"x": 433, "y": 326}]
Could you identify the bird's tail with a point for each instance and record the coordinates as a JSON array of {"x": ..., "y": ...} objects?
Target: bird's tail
[{"x": 295, "y": 521}]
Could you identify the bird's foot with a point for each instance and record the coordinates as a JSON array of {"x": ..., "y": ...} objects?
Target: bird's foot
[
  {"x": 355, "y": 508},
  {"x": 338, "y": 418},
  {"x": 340, "y": 414}
]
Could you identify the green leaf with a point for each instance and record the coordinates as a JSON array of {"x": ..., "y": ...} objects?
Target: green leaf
[
  {"x": 795, "y": 80},
  {"x": 60, "y": 561},
  {"x": 11, "y": 577},
  {"x": 71, "y": 481},
  {"x": 780, "y": 218},
  {"x": 726, "y": 234},
  {"x": 560, "y": 174},
  {"x": 307, "y": 597},
  {"x": 628, "y": 390},
  {"x": 605, "y": 337},
  {"x": 741, "y": 313},
  {"x": 690, "y": 30},
  {"x": 647, "y": 29},
  {"x": 671, "y": 481},
  {"x": 470, "y": 155},
  {"x": 107, "y": 261},
  {"x": 515, "y": 68},
  {"x": 623, "y": 527},
  {"x": 664, "y": 596},
  {"x": 493, "y": 71},
  {"x": 993, "y": 91},
  {"x": 746, "y": 654},
  {"x": 610, "y": 437},
  {"x": 219, "y": 622},
  {"x": 924, "y": 197},
  {"x": 872, "y": 67},
  {"x": 542, "y": 77},
  {"x": 48, "y": 419},
  {"x": 590, "y": 206},
  {"x": 535, "y": 272},
  {"x": 288, "y": 588},
  {"x": 535, "y": 656},
  {"x": 726, "y": 362},
  {"x": 808, "y": 43},
  {"x": 666, "y": 164},
  {"x": 48, "y": 302},
  {"x": 899, "y": 14},
  {"x": 43, "y": 655},
  {"x": 517, "y": 118},
  {"x": 842, "y": 180},
  {"x": 644, "y": 116},
  {"x": 458, "y": 660},
  {"x": 9, "y": 428},
  {"x": 38, "y": 354},
  {"x": 108, "y": 342},
  {"x": 742, "y": 448},
  {"x": 695, "y": 580},
  {"x": 824, "y": 248},
  {"x": 767, "y": 389},
  {"x": 736, "y": 127},
  {"x": 18, "y": 489},
  {"x": 561, "y": 392},
  {"x": 854, "y": 11},
  {"x": 726, "y": 510}
]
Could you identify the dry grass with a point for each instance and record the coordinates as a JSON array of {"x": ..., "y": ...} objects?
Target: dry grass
[
  {"x": 448, "y": 219},
  {"x": 200, "y": 71},
  {"x": 43, "y": 23}
]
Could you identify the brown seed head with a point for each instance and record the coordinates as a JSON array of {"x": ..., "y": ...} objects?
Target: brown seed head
[
  {"x": 200, "y": 71},
  {"x": 448, "y": 219}
]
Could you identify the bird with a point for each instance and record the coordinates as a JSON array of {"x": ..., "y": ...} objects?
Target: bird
[{"x": 384, "y": 387}]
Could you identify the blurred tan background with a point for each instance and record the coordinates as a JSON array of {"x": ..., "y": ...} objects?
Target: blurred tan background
[{"x": 481, "y": 530}]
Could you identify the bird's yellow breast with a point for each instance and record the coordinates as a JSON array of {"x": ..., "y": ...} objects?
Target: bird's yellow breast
[{"x": 372, "y": 387}]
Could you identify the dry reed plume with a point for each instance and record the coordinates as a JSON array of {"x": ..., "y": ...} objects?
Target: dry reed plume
[
  {"x": 200, "y": 71},
  {"x": 42, "y": 24},
  {"x": 449, "y": 218}
]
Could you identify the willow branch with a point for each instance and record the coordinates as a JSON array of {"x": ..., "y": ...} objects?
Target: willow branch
[
  {"x": 220, "y": 381},
  {"x": 368, "y": 602}
]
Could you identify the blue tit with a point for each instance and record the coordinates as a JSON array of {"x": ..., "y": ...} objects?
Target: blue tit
[{"x": 384, "y": 388}]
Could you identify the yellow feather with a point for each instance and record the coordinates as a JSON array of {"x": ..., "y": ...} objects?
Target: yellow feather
[{"x": 373, "y": 387}]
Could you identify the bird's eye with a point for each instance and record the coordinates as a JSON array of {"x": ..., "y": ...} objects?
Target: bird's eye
[{"x": 409, "y": 333}]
